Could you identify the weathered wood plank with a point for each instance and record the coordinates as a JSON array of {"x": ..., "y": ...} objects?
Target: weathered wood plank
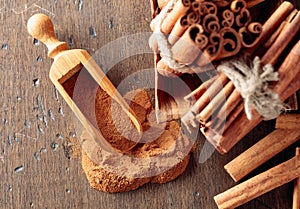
[{"x": 34, "y": 120}]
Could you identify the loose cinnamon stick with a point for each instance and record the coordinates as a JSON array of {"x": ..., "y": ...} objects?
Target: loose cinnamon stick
[
  {"x": 241, "y": 125},
  {"x": 296, "y": 194},
  {"x": 259, "y": 185},
  {"x": 288, "y": 121},
  {"x": 213, "y": 105},
  {"x": 261, "y": 152}
]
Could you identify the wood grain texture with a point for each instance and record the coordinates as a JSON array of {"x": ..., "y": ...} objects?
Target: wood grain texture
[{"x": 37, "y": 127}]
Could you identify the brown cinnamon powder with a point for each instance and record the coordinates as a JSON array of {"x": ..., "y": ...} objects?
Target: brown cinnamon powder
[{"x": 157, "y": 141}]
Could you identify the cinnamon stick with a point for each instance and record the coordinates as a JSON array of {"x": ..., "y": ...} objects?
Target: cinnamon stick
[
  {"x": 197, "y": 93},
  {"x": 230, "y": 46},
  {"x": 252, "y": 3},
  {"x": 185, "y": 50},
  {"x": 278, "y": 30},
  {"x": 287, "y": 34},
  {"x": 231, "y": 103},
  {"x": 288, "y": 121},
  {"x": 272, "y": 23},
  {"x": 178, "y": 10},
  {"x": 210, "y": 93},
  {"x": 250, "y": 35},
  {"x": 292, "y": 88},
  {"x": 296, "y": 194},
  {"x": 178, "y": 30},
  {"x": 189, "y": 117},
  {"x": 261, "y": 152},
  {"x": 259, "y": 185},
  {"x": 213, "y": 105},
  {"x": 212, "y": 50}
]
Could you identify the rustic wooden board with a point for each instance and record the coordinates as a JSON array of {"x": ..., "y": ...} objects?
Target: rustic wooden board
[{"x": 37, "y": 127}]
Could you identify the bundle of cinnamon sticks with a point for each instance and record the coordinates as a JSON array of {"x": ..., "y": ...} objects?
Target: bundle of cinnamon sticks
[
  {"x": 218, "y": 106},
  {"x": 201, "y": 31}
]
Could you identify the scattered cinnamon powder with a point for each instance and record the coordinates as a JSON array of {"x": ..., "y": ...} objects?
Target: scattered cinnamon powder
[{"x": 159, "y": 157}]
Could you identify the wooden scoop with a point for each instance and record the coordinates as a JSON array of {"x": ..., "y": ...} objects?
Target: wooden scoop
[{"x": 76, "y": 66}]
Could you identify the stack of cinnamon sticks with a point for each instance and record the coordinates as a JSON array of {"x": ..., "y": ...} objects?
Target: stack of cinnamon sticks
[
  {"x": 218, "y": 106},
  {"x": 201, "y": 31}
]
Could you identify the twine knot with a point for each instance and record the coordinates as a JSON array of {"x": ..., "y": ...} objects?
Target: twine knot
[{"x": 252, "y": 83}]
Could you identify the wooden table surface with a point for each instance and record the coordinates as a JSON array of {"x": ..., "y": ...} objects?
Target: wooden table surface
[{"x": 36, "y": 126}]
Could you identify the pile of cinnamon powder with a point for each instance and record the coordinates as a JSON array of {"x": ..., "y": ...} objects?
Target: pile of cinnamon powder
[{"x": 156, "y": 156}]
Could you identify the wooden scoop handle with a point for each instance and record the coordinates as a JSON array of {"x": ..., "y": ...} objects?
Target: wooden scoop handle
[{"x": 40, "y": 27}]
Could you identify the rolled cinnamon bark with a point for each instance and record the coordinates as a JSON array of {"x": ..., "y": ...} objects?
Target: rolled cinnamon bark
[
  {"x": 261, "y": 152},
  {"x": 213, "y": 105},
  {"x": 178, "y": 30},
  {"x": 293, "y": 86},
  {"x": 272, "y": 23},
  {"x": 211, "y": 92},
  {"x": 197, "y": 93},
  {"x": 288, "y": 121},
  {"x": 252, "y": 3},
  {"x": 184, "y": 50},
  {"x": 273, "y": 37},
  {"x": 231, "y": 103},
  {"x": 250, "y": 35},
  {"x": 179, "y": 9},
  {"x": 259, "y": 185},
  {"x": 243, "y": 18},
  {"x": 228, "y": 17},
  {"x": 238, "y": 5},
  {"x": 212, "y": 50},
  {"x": 232, "y": 43},
  {"x": 286, "y": 35}
]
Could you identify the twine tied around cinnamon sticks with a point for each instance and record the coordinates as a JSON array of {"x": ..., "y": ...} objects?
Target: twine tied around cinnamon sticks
[
  {"x": 162, "y": 40},
  {"x": 252, "y": 83}
]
